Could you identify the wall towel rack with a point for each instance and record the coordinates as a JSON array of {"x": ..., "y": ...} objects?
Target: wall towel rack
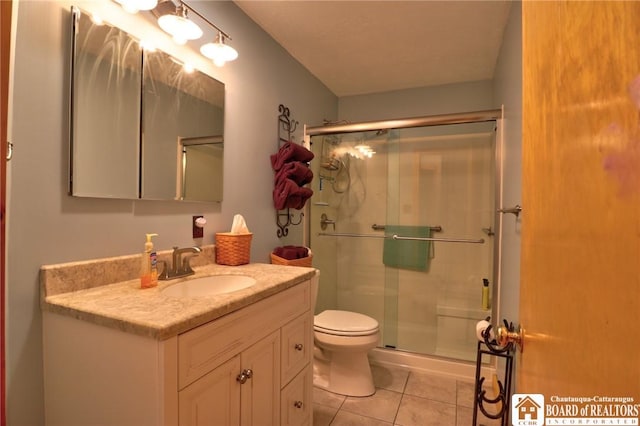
[
  {"x": 382, "y": 227},
  {"x": 398, "y": 237}
]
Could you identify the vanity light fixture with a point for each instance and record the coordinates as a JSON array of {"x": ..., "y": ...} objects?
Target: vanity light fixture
[
  {"x": 179, "y": 26},
  {"x": 219, "y": 52},
  {"x": 172, "y": 18},
  {"x": 134, "y": 6}
]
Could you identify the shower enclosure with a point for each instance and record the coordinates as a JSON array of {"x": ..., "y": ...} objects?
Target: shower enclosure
[{"x": 403, "y": 223}]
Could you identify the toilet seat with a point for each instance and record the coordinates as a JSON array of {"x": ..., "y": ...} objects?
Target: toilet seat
[{"x": 345, "y": 323}]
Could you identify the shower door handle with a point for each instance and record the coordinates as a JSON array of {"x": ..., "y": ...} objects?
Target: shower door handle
[{"x": 324, "y": 221}]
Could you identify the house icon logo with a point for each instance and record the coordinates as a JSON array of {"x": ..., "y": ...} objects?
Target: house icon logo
[{"x": 527, "y": 409}]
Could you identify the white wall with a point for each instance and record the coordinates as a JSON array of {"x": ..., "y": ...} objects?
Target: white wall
[
  {"x": 508, "y": 92},
  {"x": 47, "y": 226}
]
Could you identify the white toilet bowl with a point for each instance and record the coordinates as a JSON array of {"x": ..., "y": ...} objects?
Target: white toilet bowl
[{"x": 342, "y": 341}]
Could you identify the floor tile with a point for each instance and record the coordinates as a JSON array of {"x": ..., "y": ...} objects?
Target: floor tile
[
  {"x": 323, "y": 397},
  {"x": 403, "y": 398},
  {"x": 390, "y": 378},
  {"x": 345, "y": 418},
  {"x": 323, "y": 414},
  {"x": 383, "y": 405},
  {"x": 464, "y": 417},
  {"x": 416, "y": 411},
  {"x": 437, "y": 388},
  {"x": 465, "y": 391}
]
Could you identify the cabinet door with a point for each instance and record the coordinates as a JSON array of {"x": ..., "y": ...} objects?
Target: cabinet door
[
  {"x": 260, "y": 395},
  {"x": 214, "y": 400},
  {"x": 297, "y": 409},
  {"x": 297, "y": 346}
]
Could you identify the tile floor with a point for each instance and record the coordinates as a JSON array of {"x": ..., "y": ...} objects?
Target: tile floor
[{"x": 402, "y": 398}]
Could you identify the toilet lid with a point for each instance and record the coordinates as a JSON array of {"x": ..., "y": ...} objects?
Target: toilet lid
[{"x": 345, "y": 323}]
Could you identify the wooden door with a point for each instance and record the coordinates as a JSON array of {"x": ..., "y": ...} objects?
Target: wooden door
[{"x": 580, "y": 272}]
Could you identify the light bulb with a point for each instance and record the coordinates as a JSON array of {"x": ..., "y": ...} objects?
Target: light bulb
[
  {"x": 134, "y": 6},
  {"x": 180, "y": 27},
  {"x": 219, "y": 52}
]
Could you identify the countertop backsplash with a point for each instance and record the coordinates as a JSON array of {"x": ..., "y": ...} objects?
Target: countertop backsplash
[{"x": 82, "y": 275}]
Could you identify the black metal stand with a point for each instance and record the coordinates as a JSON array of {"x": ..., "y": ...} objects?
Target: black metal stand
[{"x": 502, "y": 401}]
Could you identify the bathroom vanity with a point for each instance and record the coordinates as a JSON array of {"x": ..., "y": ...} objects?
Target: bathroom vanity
[{"x": 116, "y": 354}]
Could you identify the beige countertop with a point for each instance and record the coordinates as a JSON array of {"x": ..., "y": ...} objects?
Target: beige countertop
[{"x": 127, "y": 307}]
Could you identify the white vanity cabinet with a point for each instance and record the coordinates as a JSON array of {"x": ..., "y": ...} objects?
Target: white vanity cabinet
[
  {"x": 269, "y": 347},
  {"x": 249, "y": 367}
]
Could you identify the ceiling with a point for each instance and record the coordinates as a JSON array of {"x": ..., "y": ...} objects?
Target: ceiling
[{"x": 359, "y": 47}]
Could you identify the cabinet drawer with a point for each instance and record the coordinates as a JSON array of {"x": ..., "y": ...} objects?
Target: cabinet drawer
[
  {"x": 204, "y": 348},
  {"x": 297, "y": 346},
  {"x": 296, "y": 405}
]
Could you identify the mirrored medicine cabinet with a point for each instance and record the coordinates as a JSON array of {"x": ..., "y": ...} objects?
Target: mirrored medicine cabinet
[{"x": 141, "y": 126}]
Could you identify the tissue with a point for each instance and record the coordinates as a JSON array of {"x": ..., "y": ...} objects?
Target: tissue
[
  {"x": 239, "y": 226},
  {"x": 481, "y": 326}
]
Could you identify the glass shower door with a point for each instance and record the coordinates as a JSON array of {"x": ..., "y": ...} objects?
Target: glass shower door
[{"x": 436, "y": 181}]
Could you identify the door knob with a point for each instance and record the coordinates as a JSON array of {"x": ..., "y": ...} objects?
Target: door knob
[
  {"x": 504, "y": 336},
  {"x": 298, "y": 347},
  {"x": 244, "y": 376}
]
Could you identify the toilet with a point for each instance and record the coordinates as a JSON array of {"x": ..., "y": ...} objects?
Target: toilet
[{"x": 342, "y": 340}]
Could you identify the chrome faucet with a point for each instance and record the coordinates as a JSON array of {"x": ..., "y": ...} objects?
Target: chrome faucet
[{"x": 181, "y": 264}]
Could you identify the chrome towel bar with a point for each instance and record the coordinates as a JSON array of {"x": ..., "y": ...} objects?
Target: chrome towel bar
[
  {"x": 396, "y": 237},
  {"x": 376, "y": 227}
]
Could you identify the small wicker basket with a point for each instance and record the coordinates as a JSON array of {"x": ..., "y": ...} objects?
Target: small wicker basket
[
  {"x": 233, "y": 249},
  {"x": 305, "y": 261}
]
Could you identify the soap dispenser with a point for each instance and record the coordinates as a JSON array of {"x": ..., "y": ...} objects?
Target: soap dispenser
[{"x": 149, "y": 267}]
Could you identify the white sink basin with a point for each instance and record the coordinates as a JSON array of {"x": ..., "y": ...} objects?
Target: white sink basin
[{"x": 208, "y": 286}]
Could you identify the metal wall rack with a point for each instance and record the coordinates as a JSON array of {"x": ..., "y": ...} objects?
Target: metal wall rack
[{"x": 286, "y": 127}]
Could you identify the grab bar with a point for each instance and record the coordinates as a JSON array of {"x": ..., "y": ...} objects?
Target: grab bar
[
  {"x": 381, "y": 228},
  {"x": 396, "y": 237}
]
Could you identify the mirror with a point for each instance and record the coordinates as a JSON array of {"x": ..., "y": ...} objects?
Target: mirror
[
  {"x": 138, "y": 130},
  {"x": 201, "y": 158},
  {"x": 105, "y": 111},
  {"x": 179, "y": 107}
]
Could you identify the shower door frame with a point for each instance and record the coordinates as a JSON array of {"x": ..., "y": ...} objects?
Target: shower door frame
[{"x": 495, "y": 115}]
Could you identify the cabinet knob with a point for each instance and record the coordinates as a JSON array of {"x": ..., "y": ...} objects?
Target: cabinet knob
[
  {"x": 298, "y": 347},
  {"x": 244, "y": 376},
  {"x": 298, "y": 404}
]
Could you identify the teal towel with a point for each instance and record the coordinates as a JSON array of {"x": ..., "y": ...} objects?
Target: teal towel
[{"x": 407, "y": 254}]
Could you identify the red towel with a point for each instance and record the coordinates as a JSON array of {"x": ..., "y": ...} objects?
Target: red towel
[
  {"x": 291, "y": 252},
  {"x": 289, "y": 194},
  {"x": 290, "y": 152},
  {"x": 296, "y": 171}
]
